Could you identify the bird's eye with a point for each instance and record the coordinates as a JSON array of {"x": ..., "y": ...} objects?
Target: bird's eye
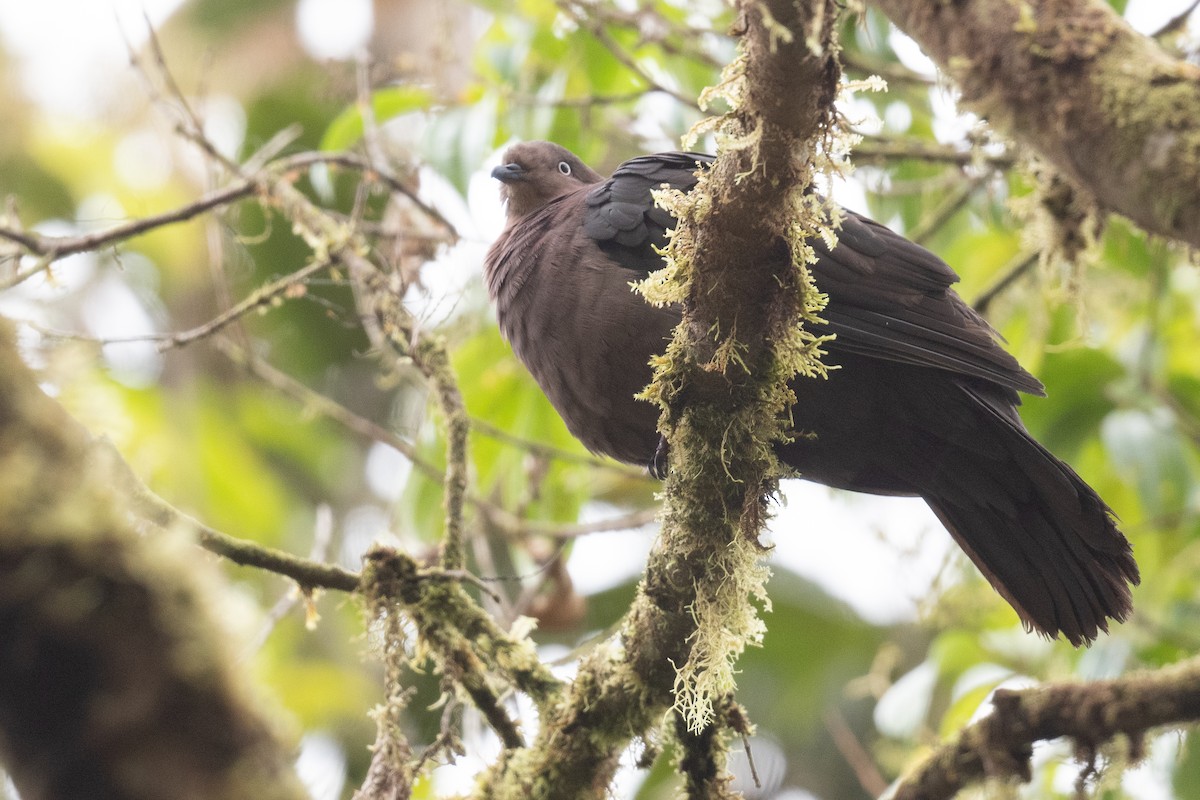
[{"x": 564, "y": 168}]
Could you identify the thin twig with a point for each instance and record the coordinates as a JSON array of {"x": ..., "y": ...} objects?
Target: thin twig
[
  {"x": 447, "y": 739},
  {"x": 932, "y": 222},
  {"x": 884, "y": 150},
  {"x": 632, "y": 520},
  {"x": 597, "y": 29},
  {"x": 590, "y": 101},
  {"x": 263, "y": 297},
  {"x": 865, "y": 769},
  {"x": 322, "y": 539},
  {"x": 1009, "y": 276},
  {"x": 506, "y": 522},
  {"x": 191, "y": 127},
  {"x": 1176, "y": 22},
  {"x": 894, "y": 74},
  {"x": 53, "y": 248},
  {"x": 557, "y": 453},
  {"x": 307, "y": 573}
]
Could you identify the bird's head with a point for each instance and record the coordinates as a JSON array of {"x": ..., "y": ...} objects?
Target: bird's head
[{"x": 534, "y": 173}]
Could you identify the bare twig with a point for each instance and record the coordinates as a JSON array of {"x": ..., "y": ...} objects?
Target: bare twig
[
  {"x": 596, "y": 27},
  {"x": 508, "y": 523},
  {"x": 548, "y": 451},
  {"x": 53, "y": 248},
  {"x": 894, "y": 74},
  {"x": 191, "y": 126},
  {"x": 1177, "y": 22},
  {"x": 865, "y": 769},
  {"x": 884, "y": 150},
  {"x": 263, "y": 297},
  {"x": 590, "y": 101},
  {"x": 322, "y": 539},
  {"x": 515, "y": 526},
  {"x": 49, "y": 249},
  {"x": 1016, "y": 268},
  {"x": 654, "y": 28},
  {"x": 932, "y": 222}
]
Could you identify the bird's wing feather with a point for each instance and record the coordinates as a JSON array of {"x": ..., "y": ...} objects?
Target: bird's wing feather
[
  {"x": 888, "y": 297},
  {"x": 891, "y": 298},
  {"x": 620, "y": 213}
]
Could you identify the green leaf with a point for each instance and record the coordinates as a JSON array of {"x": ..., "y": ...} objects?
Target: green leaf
[
  {"x": 1076, "y": 400},
  {"x": 387, "y": 103},
  {"x": 1147, "y": 448},
  {"x": 1186, "y": 780}
]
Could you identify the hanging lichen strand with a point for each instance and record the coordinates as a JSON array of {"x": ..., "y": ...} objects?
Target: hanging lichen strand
[{"x": 737, "y": 263}]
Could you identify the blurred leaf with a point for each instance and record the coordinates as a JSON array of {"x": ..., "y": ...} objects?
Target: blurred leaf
[
  {"x": 347, "y": 127},
  {"x": 1147, "y": 449},
  {"x": 321, "y": 692},
  {"x": 970, "y": 691},
  {"x": 1076, "y": 401},
  {"x": 223, "y": 16},
  {"x": 904, "y": 707},
  {"x": 1186, "y": 778}
]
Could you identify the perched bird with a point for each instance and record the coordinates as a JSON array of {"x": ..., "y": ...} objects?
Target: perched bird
[{"x": 923, "y": 401}]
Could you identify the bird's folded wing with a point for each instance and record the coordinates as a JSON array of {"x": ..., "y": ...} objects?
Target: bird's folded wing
[
  {"x": 888, "y": 297},
  {"x": 891, "y": 298}
]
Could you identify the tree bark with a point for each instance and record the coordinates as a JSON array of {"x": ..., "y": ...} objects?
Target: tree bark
[
  {"x": 115, "y": 680},
  {"x": 1001, "y": 744},
  {"x": 744, "y": 293},
  {"x": 1072, "y": 81}
]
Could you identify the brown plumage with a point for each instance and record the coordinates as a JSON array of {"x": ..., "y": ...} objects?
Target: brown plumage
[{"x": 923, "y": 403}]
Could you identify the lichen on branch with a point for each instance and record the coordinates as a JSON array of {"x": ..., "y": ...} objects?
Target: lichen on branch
[
  {"x": 116, "y": 679},
  {"x": 737, "y": 263}
]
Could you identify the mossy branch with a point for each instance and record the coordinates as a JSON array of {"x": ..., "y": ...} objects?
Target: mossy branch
[
  {"x": 117, "y": 628},
  {"x": 702, "y": 756},
  {"x": 452, "y": 616},
  {"x": 694, "y": 609},
  {"x": 737, "y": 263},
  {"x": 1106, "y": 106},
  {"x": 329, "y": 238},
  {"x": 464, "y": 638},
  {"x": 1000, "y": 745}
]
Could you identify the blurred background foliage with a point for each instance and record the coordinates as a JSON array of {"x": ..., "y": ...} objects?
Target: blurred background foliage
[{"x": 843, "y": 701}]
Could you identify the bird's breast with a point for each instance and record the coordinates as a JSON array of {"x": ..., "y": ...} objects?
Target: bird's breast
[{"x": 585, "y": 336}]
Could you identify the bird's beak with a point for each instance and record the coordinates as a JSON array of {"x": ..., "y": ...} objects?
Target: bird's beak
[{"x": 509, "y": 173}]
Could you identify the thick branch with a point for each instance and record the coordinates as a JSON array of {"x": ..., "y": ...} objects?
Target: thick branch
[
  {"x": 1071, "y": 80},
  {"x": 1000, "y": 745},
  {"x": 115, "y": 680},
  {"x": 745, "y": 284}
]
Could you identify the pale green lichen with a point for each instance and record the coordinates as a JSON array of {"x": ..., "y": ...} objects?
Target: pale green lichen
[
  {"x": 777, "y": 32},
  {"x": 726, "y": 623},
  {"x": 1063, "y": 225},
  {"x": 731, "y": 586},
  {"x": 731, "y": 87}
]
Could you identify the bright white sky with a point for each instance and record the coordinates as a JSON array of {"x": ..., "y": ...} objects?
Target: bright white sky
[{"x": 68, "y": 49}]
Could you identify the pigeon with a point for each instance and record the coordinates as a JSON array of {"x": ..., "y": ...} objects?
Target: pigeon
[{"x": 922, "y": 400}]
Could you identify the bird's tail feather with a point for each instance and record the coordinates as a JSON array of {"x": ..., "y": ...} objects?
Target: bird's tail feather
[{"x": 1055, "y": 553}]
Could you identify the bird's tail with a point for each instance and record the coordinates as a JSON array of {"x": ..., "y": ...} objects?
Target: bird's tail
[{"x": 1054, "y": 551}]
